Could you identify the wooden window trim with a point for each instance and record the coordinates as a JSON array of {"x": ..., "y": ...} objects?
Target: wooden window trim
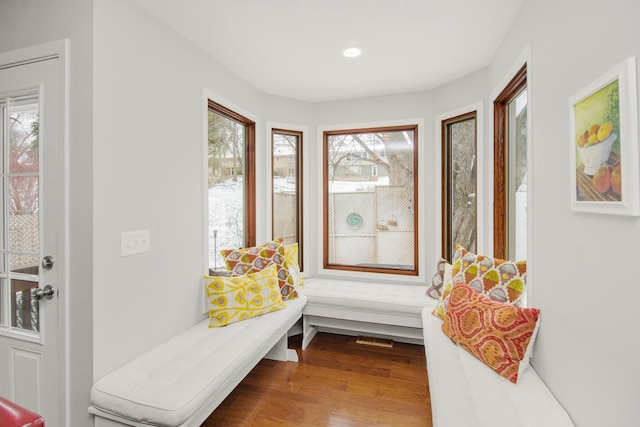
[
  {"x": 250, "y": 167},
  {"x": 299, "y": 188},
  {"x": 500, "y": 161},
  {"x": 325, "y": 201},
  {"x": 445, "y": 184}
]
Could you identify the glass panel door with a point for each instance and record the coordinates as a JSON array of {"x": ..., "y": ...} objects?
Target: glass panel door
[{"x": 32, "y": 227}]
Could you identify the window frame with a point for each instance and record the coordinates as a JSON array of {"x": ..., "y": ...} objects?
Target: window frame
[
  {"x": 501, "y": 162},
  {"x": 249, "y": 169},
  {"x": 298, "y": 158},
  {"x": 448, "y": 247},
  {"x": 412, "y": 126}
]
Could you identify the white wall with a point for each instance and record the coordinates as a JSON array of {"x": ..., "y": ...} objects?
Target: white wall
[
  {"x": 583, "y": 264},
  {"x": 148, "y": 174},
  {"x": 464, "y": 91},
  {"x": 30, "y": 22}
]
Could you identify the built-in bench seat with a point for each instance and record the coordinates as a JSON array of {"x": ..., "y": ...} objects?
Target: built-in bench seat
[
  {"x": 465, "y": 392},
  {"x": 182, "y": 381},
  {"x": 383, "y": 310}
]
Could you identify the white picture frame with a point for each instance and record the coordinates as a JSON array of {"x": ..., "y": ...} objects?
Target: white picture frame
[{"x": 604, "y": 144}]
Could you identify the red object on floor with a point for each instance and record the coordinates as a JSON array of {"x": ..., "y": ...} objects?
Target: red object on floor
[{"x": 13, "y": 415}]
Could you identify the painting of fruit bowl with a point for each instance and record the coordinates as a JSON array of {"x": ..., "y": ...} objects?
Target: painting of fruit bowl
[
  {"x": 597, "y": 153},
  {"x": 604, "y": 144},
  {"x": 597, "y": 122}
]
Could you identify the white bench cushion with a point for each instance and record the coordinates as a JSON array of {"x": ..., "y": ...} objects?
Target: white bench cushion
[
  {"x": 386, "y": 310},
  {"x": 382, "y": 298},
  {"x": 170, "y": 383},
  {"x": 465, "y": 392}
]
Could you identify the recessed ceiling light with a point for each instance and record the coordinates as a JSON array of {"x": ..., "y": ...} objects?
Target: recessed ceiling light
[{"x": 351, "y": 52}]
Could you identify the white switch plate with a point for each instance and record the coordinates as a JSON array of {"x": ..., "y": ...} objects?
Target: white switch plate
[{"x": 135, "y": 242}]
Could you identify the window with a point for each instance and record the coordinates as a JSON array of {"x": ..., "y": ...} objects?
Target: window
[
  {"x": 231, "y": 182},
  {"x": 459, "y": 217},
  {"x": 355, "y": 169},
  {"x": 370, "y": 220},
  {"x": 287, "y": 187},
  {"x": 510, "y": 169},
  {"x": 21, "y": 235}
]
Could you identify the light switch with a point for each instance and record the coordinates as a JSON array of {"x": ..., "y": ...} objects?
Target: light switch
[{"x": 135, "y": 242}]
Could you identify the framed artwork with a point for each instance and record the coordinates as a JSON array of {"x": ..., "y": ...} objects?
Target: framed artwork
[{"x": 604, "y": 144}]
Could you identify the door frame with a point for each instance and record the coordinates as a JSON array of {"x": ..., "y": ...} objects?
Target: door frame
[{"x": 56, "y": 50}]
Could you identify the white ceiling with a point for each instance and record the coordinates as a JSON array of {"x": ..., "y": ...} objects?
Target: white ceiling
[{"x": 292, "y": 48}]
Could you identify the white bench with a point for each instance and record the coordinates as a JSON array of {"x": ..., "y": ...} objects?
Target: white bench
[
  {"x": 182, "y": 381},
  {"x": 465, "y": 392},
  {"x": 380, "y": 310}
]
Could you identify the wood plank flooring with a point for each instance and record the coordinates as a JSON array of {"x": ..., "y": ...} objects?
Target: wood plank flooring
[{"x": 336, "y": 383}]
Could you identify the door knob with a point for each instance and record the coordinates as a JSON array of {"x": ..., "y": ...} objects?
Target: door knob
[
  {"x": 47, "y": 262},
  {"x": 46, "y": 292}
]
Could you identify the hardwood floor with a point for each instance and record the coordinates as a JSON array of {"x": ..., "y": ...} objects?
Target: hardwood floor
[{"x": 336, "y": 383}]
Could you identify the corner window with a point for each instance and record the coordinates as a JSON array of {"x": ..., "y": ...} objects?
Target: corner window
[
  {"x": 370, "y": 200},
  {"x": 287, "y": 187},
  {"x": 231, "y": 182},
  {"x": 459, "y": 174},
  {"x": 510, "y": 169}
]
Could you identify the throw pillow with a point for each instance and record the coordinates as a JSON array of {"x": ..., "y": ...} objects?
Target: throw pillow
[
  {"x": 232, "y": 299},
  {"x": 497, "y": 279},
  {"x": 500, "y": 335},
  {"x": 256, "y": 258},
  {"x": 437, "y": 282},
  {"x": 293, "y": 266}
]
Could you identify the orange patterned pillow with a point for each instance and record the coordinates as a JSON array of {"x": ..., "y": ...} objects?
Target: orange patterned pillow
[
  {"x": 251, "y": 260},
  {"x": 500, "y": 335},
  {"x": 498, "y": 279}
]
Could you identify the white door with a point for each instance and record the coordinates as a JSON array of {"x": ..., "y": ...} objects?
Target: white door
[{"x": 30, "y": 258}]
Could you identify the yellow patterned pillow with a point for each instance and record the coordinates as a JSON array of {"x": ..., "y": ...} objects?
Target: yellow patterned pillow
[
  {"x": 249, "y": 260},
  {"x": 232, "y": 299},
  {"x": 291, "y": 262}
]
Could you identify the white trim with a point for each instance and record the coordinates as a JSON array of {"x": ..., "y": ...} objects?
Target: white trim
[
  {"x": 205, "y": 198},
  {"x": 523, "y": 59},
  {"x": 530, "y": 177},
  {"x": 55, "y": 49},
  {"x": 422, "y": 213},
  {"x": 478, "y": 107},
  {"x": 64, "y": 88}
]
